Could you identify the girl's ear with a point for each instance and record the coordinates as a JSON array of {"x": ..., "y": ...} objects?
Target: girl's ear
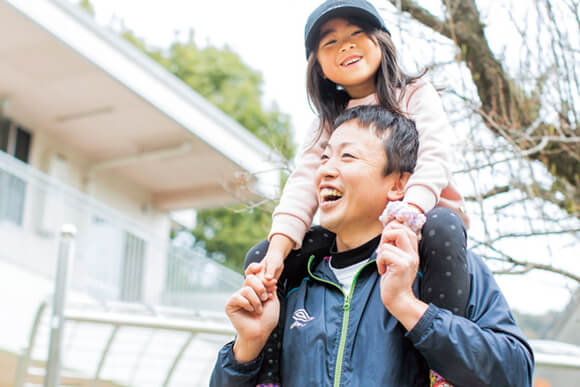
[{"x": 397, "y": 190}]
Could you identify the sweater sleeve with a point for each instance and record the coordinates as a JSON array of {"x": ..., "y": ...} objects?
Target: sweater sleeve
[
  {"x": 298, "y": 203},
  {"x": 432, "y": 172},
  {"x": 486, "y": 348}
]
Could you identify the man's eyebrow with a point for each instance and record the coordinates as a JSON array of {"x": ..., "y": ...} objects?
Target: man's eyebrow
[{"x": 340, "y": 145}]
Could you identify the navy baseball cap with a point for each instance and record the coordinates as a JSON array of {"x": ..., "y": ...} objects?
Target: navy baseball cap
[{"x": 340, "y": 8}]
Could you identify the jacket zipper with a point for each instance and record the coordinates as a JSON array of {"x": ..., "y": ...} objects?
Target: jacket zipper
[{"x": 345, "y": 317}]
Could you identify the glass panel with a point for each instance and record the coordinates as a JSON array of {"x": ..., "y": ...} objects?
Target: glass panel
[
  {"x": 133, "y": 269},
  {"x": 12, "y": 191}
]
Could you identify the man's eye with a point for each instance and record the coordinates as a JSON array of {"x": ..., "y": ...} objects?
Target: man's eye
[
  {"x": 324, "y": 157},
  {"x": 348, "y": 155},
  {"x": 328, "y": 43}
]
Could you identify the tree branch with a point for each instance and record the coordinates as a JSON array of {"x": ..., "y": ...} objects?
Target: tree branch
[
  {"x": 527, "y": 266},
  {"x": 505, "y": 108}
]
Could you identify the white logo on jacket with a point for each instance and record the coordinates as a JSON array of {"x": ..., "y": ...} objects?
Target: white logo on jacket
[{"x": 301, "y": 318}]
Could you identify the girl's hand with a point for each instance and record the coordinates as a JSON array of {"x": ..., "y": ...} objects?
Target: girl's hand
[
  {"x": 279, "y": 248},
  {"x": 273, "y": 265}
]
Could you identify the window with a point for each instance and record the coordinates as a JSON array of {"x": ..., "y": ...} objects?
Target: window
[{"x": 15, "y": 141}]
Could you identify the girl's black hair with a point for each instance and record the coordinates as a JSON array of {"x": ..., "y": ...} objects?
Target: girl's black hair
[{"x": 329, "y": 101}]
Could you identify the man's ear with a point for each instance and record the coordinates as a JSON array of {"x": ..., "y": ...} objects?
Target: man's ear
[{"x": 397, "y": 190}]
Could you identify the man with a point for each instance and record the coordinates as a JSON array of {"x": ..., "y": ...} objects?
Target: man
[{"x": 356, "y": 319}]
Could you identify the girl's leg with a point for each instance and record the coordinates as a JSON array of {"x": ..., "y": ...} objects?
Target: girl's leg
[
  {"x": 443, "y": 264},
  {"x": 316, "y": 242},
  {"x": 443, "y": 258}
]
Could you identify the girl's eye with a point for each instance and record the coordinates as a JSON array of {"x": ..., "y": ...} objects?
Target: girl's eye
[
  {"x": 328, "y": 43},
  {"x": 348, "y": 156},
  {"x": 324, "y": 157},
  {"x": 357, "y": 32}
]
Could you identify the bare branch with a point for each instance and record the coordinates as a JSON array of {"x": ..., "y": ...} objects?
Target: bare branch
[{"x": 527, "y": 266}]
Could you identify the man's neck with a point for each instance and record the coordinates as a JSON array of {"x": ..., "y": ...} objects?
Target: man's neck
[
  {"x": 348, "y": 258},
  {"x": 355, "y": 238}
]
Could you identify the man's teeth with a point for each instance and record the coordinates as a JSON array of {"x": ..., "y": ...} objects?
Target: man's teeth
[
  {"x": 351, "y": 61},
  {"x": 330, "y": 194}
]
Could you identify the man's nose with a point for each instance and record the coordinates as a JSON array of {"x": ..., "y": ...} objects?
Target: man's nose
[{"x": 328, "y": 170}]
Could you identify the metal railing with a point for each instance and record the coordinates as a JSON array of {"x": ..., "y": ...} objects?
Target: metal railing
[
  {"x": 116, "y": 259},
  {"x": 106, "y": 345}
]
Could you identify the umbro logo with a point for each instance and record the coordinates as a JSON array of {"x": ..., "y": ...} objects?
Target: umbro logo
[{"x": 301, "y": 318}]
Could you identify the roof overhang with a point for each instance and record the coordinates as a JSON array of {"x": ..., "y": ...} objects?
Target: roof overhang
[{"x": 85, "y": 86}]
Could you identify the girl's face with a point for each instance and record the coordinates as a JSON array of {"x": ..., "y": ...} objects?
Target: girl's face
[{"x": 348, "y": 57}]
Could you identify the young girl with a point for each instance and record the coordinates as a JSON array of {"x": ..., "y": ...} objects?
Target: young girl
[{"x": 352, "y": 61}]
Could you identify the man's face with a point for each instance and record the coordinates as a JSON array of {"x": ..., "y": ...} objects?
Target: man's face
[{"x": 352, "y": 190}]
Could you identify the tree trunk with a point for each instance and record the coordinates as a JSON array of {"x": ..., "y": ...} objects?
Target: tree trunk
[{"x": 505, "y": 108}]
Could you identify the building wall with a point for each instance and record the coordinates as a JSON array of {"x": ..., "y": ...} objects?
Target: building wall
[
  {"x": 69, "y": 166},
  {"x": 105, "y": 239}
]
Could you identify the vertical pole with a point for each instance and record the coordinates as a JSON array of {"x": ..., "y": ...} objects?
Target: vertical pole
[{"x": 65, "y": 254}]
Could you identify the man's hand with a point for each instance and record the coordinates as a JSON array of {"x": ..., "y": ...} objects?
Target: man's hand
[
  {"x": 386, "y": 235},
  {"x": 254, "y": 312},
  {"x": 397, "y": 263}
]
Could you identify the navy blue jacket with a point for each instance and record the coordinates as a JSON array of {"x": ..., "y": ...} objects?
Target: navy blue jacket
[{"x": 336, "y": 339}]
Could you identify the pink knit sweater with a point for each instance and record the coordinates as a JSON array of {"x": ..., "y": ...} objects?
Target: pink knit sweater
[{"x": 429, "y": 186}]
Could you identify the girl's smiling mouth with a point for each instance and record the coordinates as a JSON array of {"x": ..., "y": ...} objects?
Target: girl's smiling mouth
[{"x": 351, "y": 60}]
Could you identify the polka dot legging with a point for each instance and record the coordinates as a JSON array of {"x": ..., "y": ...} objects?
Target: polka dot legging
[{"x": 442, "y": 252}]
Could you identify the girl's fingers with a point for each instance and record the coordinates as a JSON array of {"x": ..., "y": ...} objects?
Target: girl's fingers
[
  {"x": 254, "y": 268},
  {"x": 271, "y": 288}
]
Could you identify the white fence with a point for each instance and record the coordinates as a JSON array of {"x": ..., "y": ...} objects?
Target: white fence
[{"x": 116, "y": 259}]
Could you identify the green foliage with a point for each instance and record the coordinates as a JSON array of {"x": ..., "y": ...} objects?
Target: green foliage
[
  {"x": 232, "y": 233},
  {"x": 221, "y": 77},
  {"x": 87, "y": 6}
]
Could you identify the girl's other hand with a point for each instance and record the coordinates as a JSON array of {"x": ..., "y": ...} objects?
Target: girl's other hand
[
  {"x": 279, "y": 248},
  {"x": 274, "y": 265}
]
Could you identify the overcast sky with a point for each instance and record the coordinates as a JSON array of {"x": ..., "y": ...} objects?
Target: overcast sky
[
  {"x": 269, "y": 37},
  {"x": 267, "y": 34}
]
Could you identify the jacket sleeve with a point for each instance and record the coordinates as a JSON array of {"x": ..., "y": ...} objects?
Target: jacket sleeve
[
  {"x": 298, "y": 203},
  {"x": 484, "y": 349},
  {"x": 228, "y": 372},
  {"x": 432, "y": 172}
]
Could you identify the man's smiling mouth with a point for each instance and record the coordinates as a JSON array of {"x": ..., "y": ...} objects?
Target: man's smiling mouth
[{"x": 330, "y": 195}]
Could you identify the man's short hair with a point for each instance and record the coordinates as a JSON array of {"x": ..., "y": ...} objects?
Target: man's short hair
[{"x": 399, "y": 135}]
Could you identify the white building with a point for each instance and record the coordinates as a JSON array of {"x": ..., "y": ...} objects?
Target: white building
[
  {"x": 558, "y": 354},
  {"x": 96, "y": 134}
]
